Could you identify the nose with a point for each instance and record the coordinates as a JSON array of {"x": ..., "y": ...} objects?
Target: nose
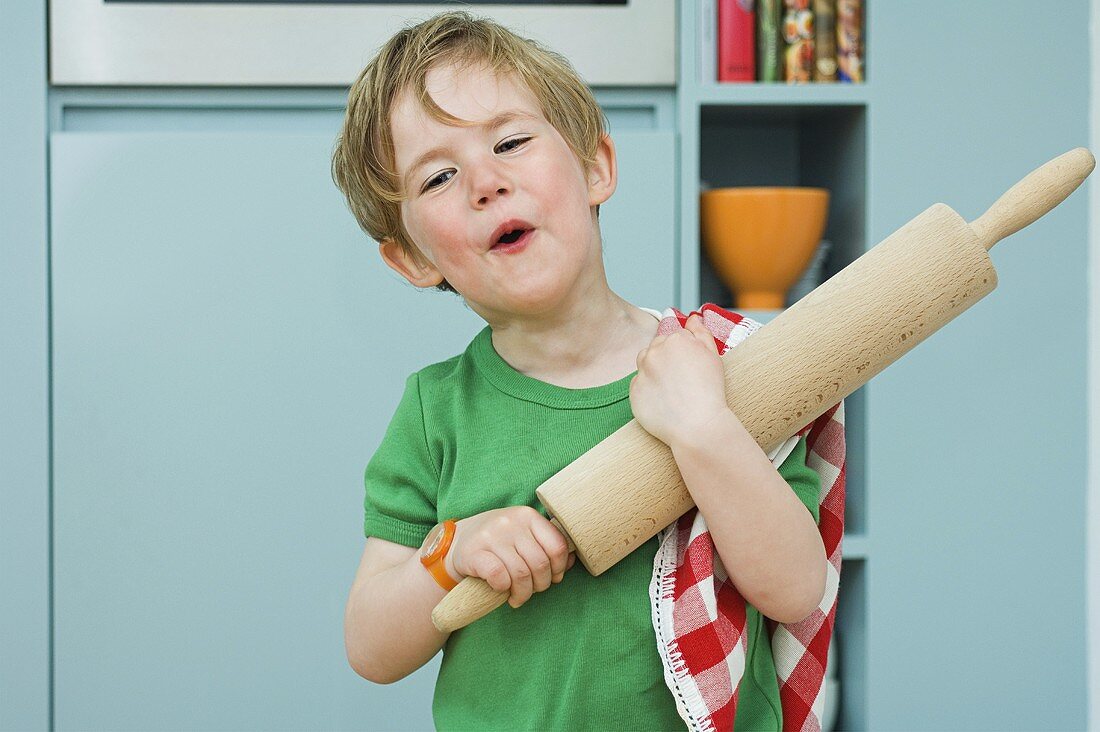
[{"x": 487, "y": 183}]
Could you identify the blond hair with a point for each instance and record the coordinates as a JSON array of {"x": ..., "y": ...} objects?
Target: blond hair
[{"x": 363, "y": 161}]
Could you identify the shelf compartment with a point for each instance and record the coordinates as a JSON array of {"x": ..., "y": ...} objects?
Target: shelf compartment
[
  {"x": 763, "y": 93},
  {"x": 850, "y": 646},
  {"x": 794, "y": 145}
]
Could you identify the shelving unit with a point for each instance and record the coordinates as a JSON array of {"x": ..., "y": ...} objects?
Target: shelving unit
[{"x": 788, "y": 135}]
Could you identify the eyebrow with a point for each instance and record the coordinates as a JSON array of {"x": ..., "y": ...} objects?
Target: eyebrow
[{"x": 496, "y": 121}]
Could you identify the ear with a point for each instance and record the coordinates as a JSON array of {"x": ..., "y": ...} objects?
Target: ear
[
  {"x": 411, "y": 265},
  {"x": 603, "y": 175}
]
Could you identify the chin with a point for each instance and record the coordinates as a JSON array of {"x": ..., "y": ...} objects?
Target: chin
[{"x": 532, "y": 301}]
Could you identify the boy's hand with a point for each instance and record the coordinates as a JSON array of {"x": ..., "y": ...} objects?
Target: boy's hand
[
  {"x": 680, "y": 385},
  {"x": 514, "y": 549}
]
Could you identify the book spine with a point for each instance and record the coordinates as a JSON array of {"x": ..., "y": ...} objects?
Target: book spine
[
  {"x": 825, "y": 40},
  {"x": 849, "y": 40},
  {"x": 736, "y": 30},
  {"x": 708, "y": 42},
  {"x": 769, "y": 54},
  {"x": 798, "y": 37}
]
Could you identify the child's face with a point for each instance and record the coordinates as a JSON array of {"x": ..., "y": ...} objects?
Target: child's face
[{"x": 480, "y": 178}]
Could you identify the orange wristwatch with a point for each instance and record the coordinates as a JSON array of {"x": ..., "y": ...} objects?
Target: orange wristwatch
[{"x": 433, "y": 554}]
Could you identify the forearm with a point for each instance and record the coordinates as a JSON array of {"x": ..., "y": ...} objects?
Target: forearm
[
  {"x": 767, "y": 540},
  {"x": 388, "y": 630}
]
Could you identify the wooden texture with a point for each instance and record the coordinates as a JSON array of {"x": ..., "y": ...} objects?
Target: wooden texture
[{"x": 627, "y": 488}]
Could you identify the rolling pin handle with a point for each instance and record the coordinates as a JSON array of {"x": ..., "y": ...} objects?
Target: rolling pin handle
[
  {"x": 473, "y": 598},
  {"x": 1034, "y": 196}
]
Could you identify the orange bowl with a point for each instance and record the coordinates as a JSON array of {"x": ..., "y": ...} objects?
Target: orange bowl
[{"x": 760, "y": 240}]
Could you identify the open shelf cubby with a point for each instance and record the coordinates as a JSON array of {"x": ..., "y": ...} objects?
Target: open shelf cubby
[{"x": 818, "y": 146}]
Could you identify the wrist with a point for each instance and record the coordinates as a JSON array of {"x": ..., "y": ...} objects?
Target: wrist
[
  {"x": 435, "y": 553},
  {"x": 449, "y": 560},
  {"x": 449, "y": 568},
  {"x": 696, "y": 433}
]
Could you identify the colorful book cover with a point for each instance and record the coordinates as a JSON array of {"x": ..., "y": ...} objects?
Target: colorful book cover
[
  {"x": 736, "y": 40},
  {"x": 769, "y": 40},
  {"x": 798, "y": 38},
  {"x": 825, "y": 40},
  {"x": 849, "y": 40}
]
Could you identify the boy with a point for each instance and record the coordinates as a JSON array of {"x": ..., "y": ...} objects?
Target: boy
[{"x": 479, "y": 160}]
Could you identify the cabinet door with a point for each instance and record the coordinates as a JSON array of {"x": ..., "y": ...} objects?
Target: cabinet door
[
  {"x": 228, "y": 349},
  {"x": 639, "y": 220},
  {"x": 978, "y": 453}
]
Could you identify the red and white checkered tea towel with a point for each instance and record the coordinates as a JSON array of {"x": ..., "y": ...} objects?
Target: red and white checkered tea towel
[{"x": 698, "y": 614}]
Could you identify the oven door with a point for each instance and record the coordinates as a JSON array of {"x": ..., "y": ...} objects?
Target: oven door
[{"x": 306, "y": 43}]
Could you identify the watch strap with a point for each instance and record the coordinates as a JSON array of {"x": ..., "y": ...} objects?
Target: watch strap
[{"x": 436, "y": 563}]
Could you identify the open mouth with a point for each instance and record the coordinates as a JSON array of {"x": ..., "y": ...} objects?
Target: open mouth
[
  {"x": 513, "y": 239},
  {"x": 512, "y": 236}
]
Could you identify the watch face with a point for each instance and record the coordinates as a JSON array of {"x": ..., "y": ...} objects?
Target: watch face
[{"x": 431, "y": 543}]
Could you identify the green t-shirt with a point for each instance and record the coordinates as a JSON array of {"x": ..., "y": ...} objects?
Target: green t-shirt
[{"x": 471, "y": 434}]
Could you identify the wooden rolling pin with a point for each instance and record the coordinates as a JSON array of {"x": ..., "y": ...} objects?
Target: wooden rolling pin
[{"x": 623, "y": 491}]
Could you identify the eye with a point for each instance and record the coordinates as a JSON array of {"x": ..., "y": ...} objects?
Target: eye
[
  {"x": 430, "y": 184},
  {"x": 517, "y": 140}
]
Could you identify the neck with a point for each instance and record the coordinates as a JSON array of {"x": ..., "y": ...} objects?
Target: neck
[{"x": 590, "y": 339}]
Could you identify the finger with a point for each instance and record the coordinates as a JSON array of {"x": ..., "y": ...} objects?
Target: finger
[
  {"x": 641, "y": 355},
  {"x": 490, "y": 568},
  {"x": 695, "y": 324},
  {"x": 522, "y": 587},
  {"x": 555, "y": 546},
  {"x": 698, "y": 328},
  {"x": 572, "y": 561},
  {"x": 537, "y": 560}
]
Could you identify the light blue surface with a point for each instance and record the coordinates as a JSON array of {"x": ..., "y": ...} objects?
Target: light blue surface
[
  {"x": 24, "y": 372},
  {"x": 228, "y": 351},
  {"x": 977, "y": 462},
  {"x": 218, "y": 383}
]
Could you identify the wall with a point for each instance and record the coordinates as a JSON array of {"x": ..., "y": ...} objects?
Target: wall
[
  {"x": 977, "y": 438},
  {"x": 1092, "y": 565},
  {"x": 24, "y": 371}
]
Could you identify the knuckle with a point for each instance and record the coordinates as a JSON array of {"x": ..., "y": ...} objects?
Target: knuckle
[
  {"x": 498, "y": 579},
  {"x": 560, "y": 547},
  {"x": 492, "y": 571}
]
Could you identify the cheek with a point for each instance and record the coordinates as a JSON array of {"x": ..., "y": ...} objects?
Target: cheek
[
  {"x": 424, "y": 225},
  {"x": 441, "y": 233},
  {"x": 571, "y": 184}
]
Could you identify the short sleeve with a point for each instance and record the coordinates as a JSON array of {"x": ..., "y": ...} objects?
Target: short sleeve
[
  {"x": 802, "y": 479},
  {"x": 401, "y": 480}
]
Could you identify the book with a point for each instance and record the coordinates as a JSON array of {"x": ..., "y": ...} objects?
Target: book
[
  {"x": 736, "y": 40},
  {"x": 769, "y": 54},
  {"x": 798, "y": 41},
  {"x": 825, "y": 40},
  {"x": 849, "y": 40}
]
